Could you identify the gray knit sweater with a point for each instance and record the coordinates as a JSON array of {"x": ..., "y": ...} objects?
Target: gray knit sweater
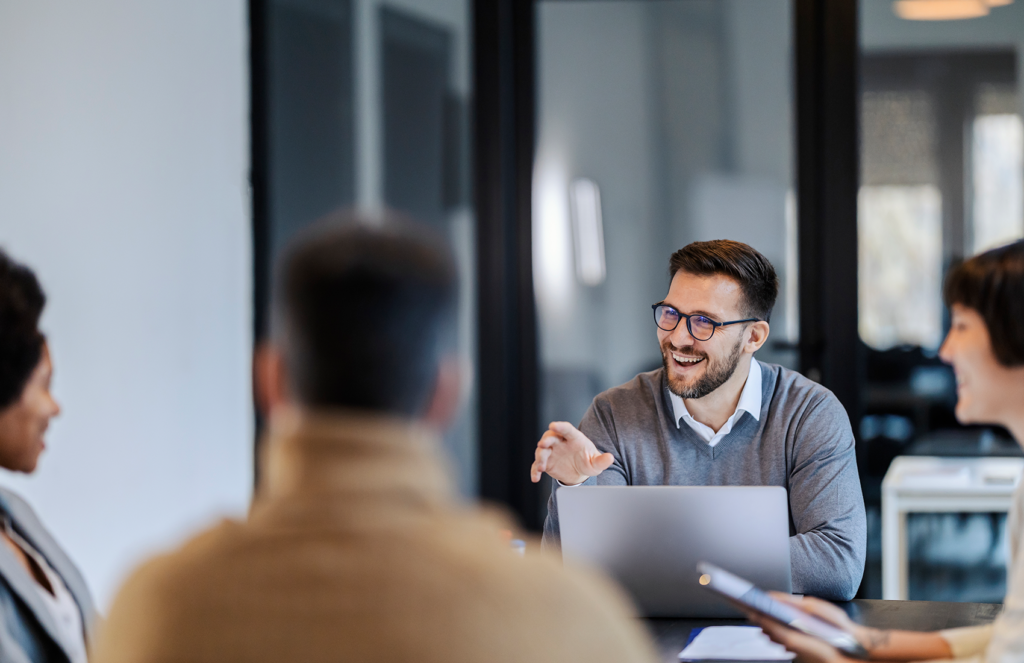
[{"x": 803, "y": 442}]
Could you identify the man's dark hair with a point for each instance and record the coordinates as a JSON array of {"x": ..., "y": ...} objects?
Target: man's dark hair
[
  {"x": 737, "y": 260},
  {"x": 365, "y": 308},
  {"x": 21, "y": 342},
  {"x": 992, "y": 283}
]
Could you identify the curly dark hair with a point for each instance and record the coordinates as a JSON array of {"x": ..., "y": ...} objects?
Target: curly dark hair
[
  {"x": 21, "y": 342},
  {"x": 992, "y": 283}
]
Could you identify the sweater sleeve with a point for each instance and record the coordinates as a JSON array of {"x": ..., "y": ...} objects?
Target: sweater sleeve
[
  {"x": 596, "y": 425},
  {"x": 828, "y": 547}
]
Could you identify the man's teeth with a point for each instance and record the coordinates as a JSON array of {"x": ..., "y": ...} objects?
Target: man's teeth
[{"x": 687, "y": 360}]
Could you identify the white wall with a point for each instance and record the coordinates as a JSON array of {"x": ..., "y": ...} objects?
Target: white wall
[{"x": 123, "y": 183}]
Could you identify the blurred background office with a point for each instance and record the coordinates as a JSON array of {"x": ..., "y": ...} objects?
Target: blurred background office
[{"x": 155, "y": 158}]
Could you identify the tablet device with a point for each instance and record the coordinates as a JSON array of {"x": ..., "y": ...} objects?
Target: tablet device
[{"x": 748, "y": 595}]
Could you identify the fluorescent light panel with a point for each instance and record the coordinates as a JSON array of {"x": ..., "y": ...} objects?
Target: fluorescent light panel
[
  {"x": 943, "y": 10},
  {"x": 588, "y": 231}
]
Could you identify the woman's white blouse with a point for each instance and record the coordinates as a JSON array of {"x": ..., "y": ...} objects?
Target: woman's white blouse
[
  {"x": 1002, "y": 641},
  {"x": 61, "y": 603}
]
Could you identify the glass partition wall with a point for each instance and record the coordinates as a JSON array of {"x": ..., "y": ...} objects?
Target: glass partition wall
[
  {"x": 365, "y": 104},
  {"x": 941, "y": 153},
  {"x": 681, "y": 132}
]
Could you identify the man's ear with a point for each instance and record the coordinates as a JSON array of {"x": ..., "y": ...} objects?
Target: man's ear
[
  {"x": 757, "y": 334},
  {"x": 270, "y": 383},
  {"x": 445, "y": 400}
]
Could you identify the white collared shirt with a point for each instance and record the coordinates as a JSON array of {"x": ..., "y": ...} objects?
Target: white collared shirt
[
  {"x": 750, "y": 401},
  {"x": 61, "y": 604}
]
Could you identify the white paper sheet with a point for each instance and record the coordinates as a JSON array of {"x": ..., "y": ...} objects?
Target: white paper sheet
[{"x": 734, "y": 643}]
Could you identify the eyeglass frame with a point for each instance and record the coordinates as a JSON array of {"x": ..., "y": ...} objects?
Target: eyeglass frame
[{"x": 714, "y": 325}]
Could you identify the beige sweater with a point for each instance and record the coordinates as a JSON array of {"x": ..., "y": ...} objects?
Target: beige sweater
[{"x": 356, "y": 550}]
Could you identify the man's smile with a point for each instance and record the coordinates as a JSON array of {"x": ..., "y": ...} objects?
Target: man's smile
[{"x": 685, "y": 360}]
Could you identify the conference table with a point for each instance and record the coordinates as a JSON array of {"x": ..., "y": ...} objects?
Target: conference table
[{"x": 672, "y": 634}]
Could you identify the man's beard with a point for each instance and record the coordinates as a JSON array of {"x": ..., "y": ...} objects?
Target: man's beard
[{"x": 715, "y": 375}]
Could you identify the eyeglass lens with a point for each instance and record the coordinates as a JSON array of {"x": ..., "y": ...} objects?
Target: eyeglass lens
[{"x": 668, "y": 318}]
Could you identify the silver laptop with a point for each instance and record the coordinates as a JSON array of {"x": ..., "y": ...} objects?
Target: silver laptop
[{"x": 650, "y": 539}]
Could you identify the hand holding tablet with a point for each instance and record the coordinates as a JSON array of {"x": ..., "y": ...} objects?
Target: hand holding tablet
[{"x": 771, "y": 613}]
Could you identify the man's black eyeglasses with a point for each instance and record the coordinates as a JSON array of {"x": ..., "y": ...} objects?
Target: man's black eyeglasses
[{"x": 700, "y": 327}]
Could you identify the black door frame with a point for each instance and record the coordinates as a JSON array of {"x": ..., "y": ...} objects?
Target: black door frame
[
  {"x": 504, "y": 88},
  {"x": 504, "y": 109},
  {"x": 826, "y": 127}
]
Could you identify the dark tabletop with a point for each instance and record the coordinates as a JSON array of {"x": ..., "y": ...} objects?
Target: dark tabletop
[{"x": 671, "y": 634}]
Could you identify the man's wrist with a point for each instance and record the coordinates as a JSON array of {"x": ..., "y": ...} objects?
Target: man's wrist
[{"x": 567, "y": 484}]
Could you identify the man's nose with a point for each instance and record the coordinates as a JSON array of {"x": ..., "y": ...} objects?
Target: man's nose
[{"x": 681, "y": 337}]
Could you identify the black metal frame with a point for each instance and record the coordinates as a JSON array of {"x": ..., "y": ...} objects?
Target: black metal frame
[
  {"x": 259, "y": 198},
  {"x": 828, "y": 175},
  {"x": 504, "y": 132},
  {"x": 504, "y": 114},
  {"x": 258, "y": 169},
  {"x": 826, "y": 55}
]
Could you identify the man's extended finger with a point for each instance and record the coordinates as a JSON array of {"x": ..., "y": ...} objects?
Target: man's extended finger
[
  {"x": 539, "y": 465},
  {"x": 549, "y": 439},
  {"x": 566, "y": 430},
  {"x": 601, "y": 463}
]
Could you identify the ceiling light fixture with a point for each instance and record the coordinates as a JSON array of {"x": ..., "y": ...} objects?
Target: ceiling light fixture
[
  {"x": 942, "y": 10},
  {"x": 588, "y": 231}
]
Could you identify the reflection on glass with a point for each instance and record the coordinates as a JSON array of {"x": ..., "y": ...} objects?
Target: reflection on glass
[
  {"x": 900, "y": 243},
  {"x": 681, "y": 132},
  {"x": 367, "y": 106},
  {"x": 941, "y": 178},
  {"x": 998, "y": 159}
]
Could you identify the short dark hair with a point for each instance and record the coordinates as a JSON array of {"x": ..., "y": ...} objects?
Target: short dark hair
[
  {"x": 364, "y": 310},
  {"x": 737, "y": 260},
  {"x": 21, "y": 343},
  {"x": 992, "y": 283}
]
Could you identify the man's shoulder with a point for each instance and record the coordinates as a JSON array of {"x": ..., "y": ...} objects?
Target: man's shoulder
[
  {"x": 640, "y": 392},
  {"x": 162, "y": 578},
  {"x": 448, "y": 569},
  {"x": 583, "y": 613},
  {"x": 787, "y": 387},
  {"x": 791, "y": 395}
]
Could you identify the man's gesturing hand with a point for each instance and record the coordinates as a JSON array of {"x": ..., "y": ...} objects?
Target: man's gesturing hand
[{"x": 567, "y": 455}]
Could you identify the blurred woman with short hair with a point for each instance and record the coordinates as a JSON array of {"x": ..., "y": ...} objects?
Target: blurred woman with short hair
[
  {"x": 45, "y": 607},
  {"x": 985, "y": 347}
]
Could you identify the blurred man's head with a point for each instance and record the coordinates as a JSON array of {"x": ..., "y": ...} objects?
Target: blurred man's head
[{"x": 364, "y": 318}]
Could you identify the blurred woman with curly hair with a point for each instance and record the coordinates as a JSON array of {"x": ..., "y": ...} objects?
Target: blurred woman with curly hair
[{"x": 45, "y": 607}]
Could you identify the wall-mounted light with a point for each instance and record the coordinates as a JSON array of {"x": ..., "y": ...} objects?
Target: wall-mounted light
[
  {"x": 587, "y": 230},
  {"x": 945, "y": 10}
]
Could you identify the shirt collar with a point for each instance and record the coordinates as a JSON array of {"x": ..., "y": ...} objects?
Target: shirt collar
[{"x": 750, "y": 397}]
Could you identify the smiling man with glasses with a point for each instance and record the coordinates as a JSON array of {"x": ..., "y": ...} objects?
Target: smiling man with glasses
[{"x": 714, "y": 415}]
